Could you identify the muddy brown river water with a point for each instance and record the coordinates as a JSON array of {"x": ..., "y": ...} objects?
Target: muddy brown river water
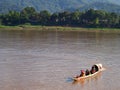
[{"x": 47, "y": 60}]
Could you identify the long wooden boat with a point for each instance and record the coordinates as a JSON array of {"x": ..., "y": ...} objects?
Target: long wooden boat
[{"x": 99, "y": 69}]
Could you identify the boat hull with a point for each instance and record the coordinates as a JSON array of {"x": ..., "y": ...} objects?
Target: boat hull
[{"x": 88, "y": 76}]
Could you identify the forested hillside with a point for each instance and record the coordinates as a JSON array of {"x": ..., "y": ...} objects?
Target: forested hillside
[
  {"x": 109, "y": 7},
  {"x": 58, "y": 5},
  {"x": 89, "y": 18},
  {"x": 115, "y": 1}
]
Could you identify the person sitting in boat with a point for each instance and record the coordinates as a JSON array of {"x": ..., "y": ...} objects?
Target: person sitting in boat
[
  {"x": 82, "y": 73},
  {"x": 87, "y": 72},
  {"x": 93, "y": 70}
]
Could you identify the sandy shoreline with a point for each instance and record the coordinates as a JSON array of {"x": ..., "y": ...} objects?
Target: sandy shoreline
[{"x": 60, "y": 28}]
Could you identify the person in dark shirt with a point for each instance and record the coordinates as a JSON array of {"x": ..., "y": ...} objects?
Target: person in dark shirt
[
  {"x": 93, "y": 70},
  {"x": 87, "y": 72}
]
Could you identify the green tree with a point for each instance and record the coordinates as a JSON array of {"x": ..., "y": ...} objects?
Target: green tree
[
  {"x": 114, "y": 19},
  {"x": 64, "y": 18},
  {"x": 88, "y": 17},
  {"x": 44, "y": 17},
  {"x": 96, "y": 22},
  {"x": 0, "y": 19},
  {"x": 76, "y": 18},
  {"x": 54, "y": 19},
  {"x": 12, "y": 18},
  {"x": 27, "y": 14}
]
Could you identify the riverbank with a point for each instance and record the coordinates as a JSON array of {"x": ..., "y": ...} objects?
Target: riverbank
[{"x": 58, "y": 28}]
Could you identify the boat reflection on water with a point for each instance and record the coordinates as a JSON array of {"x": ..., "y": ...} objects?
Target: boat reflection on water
[{"x": 82, "y": 82}]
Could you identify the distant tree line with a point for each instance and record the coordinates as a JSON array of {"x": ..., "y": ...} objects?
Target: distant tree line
[{"x": 89, "y": 18}]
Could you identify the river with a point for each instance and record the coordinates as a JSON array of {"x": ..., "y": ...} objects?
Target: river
[{"x": 47, "y": 60}]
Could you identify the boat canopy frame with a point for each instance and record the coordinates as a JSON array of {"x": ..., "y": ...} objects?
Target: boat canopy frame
[{"x": 97, "y": 66}]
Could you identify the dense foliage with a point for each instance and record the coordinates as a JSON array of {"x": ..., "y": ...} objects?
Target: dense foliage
[{"x": 89, "y": 18}]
